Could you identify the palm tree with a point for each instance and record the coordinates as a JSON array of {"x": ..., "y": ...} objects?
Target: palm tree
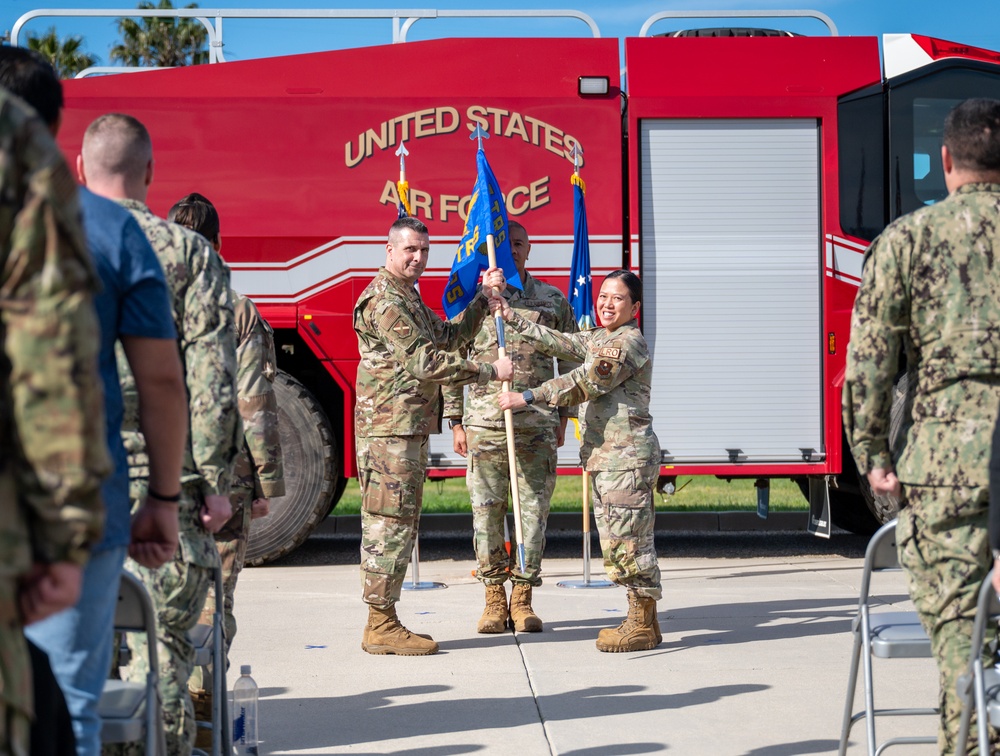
[
  {"x": 161, "y": 41},
  {"x": 66, "y": 55}
]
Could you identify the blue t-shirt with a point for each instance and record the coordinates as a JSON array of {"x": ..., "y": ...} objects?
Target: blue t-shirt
[{"x": 133, "y": 302}]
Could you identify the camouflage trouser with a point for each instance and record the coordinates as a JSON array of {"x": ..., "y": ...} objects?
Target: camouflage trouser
[
  {"x": 943, "y": 546},
  {"x": 488, "y": 480},
  {"x": 392, "y": 472},
  {"x": 178, "y": 592},
  {"x": 15, "y": 676},
  {"x": 623, "y": 508},
  {"x": 231, "y": 541}
]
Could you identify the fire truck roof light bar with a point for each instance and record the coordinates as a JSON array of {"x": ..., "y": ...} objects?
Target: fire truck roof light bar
[
  {"x": 205, "y": 16},
  {"x": 819, "y": 16}
]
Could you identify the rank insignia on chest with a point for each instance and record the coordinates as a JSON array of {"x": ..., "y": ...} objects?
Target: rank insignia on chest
[{"x": 604, "y": 368}]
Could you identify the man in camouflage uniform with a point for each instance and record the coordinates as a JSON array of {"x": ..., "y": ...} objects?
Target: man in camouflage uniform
[
  {"x": 931, "y": 293},
  {"x": 132, "y": 306},
  {"x": 258, "y": 473},
  {"x": 116, "y": 162},
  {"x": 52, "y": 449},
  {"x": 407, "y": 352},
  {"x": 538, "y": 431}
]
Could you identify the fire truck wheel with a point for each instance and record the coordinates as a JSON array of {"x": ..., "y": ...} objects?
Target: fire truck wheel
[{"x": 312, "y": 474}]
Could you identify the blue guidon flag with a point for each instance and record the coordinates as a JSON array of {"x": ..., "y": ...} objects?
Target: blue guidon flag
[
  {"x": 581, "y": 296},
  {"x": 487, "y": 215}
]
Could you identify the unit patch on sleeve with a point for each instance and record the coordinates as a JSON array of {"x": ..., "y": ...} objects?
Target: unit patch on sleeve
[
  {"x": 393, "y": 322},
  {"x": 606, "y": 365}
]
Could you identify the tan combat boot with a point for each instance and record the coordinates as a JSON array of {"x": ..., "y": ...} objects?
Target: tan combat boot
[
  {"x": 385, "y": 635},
  {"x": 494, "y": 619},
  {"x": 639, "y": 631},
  {"x": 364, "y": 635},
  {"x": 521, "y": 614}
]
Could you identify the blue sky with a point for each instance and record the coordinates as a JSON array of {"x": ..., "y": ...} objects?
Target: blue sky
[{"x": 974, "y": 22}]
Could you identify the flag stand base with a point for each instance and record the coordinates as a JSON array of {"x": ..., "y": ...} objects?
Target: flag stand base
[
  {"x": 586, "y": 582},
  {"x": 416, "y": 584}
]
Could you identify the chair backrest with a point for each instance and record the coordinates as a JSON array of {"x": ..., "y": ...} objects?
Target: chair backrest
[
  {"x": 881, "y": 551},
  {"x": 987, "y": 608},
  {"x": 879, "y": 555},
  {"x": 135, "y": 612}
]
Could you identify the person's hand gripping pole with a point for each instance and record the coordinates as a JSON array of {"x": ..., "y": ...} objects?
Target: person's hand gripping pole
[{"x": 508, "y": 421}]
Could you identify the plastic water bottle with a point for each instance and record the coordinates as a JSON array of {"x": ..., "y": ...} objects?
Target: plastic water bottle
[{"x": 245, "y": 713}]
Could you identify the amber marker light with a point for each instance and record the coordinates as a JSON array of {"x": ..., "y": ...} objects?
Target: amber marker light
[
  {"x": 831, "y": 342},
  {"x": 312, "y": 326}
]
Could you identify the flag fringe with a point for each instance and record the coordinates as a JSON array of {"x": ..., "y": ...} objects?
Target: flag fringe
[
  {"x": 577, "y": 180},
  {"x": 403, "y": 189}
]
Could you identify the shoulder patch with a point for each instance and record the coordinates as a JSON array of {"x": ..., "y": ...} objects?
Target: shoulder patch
[
  {"x": 393, "y": 322},
  {"x": 612, "y": 352},
  {"x": 401, "y": 329}
]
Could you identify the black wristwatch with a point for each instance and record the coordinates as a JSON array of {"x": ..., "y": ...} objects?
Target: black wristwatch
[
  {"x": 529, "y": 397},
  {"x": 454, "y": 422}
]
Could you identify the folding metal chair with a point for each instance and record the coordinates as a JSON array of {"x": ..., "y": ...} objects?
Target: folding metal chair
[
  {"x": 132, "y": 711},
  {"x": 886, "y": 635},
  {"x": 210, "y": 654},
  {"x": 980, "y": 686}
]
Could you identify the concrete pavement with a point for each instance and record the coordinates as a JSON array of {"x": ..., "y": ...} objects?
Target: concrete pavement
[{"x": 754, "y": 662}]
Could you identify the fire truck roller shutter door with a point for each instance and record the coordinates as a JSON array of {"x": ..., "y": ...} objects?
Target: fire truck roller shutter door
[{"x": 312, "y": 474}]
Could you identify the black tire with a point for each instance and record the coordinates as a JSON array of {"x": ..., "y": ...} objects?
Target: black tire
[{"x": 312, "y": 475}]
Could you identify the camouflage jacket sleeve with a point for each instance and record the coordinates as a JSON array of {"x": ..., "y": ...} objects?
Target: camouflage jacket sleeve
[
  {"x": 431, "y": 357},
  {"x": 255, "y": 372},
  {"x": 588, "y": 381},
  {"x": 50, "y": 342},
  {"x": 877, "y": 326},
  {"x": 208, "y": 344},
  {"x": 562, "y": 346},
  {"x": 454, "y": 334},
  {"x": 453, "y": 395},
  {"x": 567, "y": 324}
]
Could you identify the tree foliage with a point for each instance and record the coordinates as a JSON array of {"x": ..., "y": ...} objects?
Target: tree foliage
[
  {"x": 66, "y": 55},
  {"x": 161, "y": 41}
]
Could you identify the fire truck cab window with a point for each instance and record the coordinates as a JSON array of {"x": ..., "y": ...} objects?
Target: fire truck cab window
[
  {"x": 861, "y": 152},
  {"x": 917, "y": 109}
]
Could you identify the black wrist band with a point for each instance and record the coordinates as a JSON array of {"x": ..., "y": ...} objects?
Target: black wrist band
[{"x": 154, "y": 495}]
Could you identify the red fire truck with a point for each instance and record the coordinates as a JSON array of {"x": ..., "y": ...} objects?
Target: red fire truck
[{"x": 740, "y": 173}]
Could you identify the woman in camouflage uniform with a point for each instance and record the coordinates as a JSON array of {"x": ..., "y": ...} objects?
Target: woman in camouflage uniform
[{"x": 618, "y": 444}]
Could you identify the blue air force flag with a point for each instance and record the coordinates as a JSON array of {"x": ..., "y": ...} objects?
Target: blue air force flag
[
  {"x": 581, "y": 296},
  {"x": 487, "y": 215}
]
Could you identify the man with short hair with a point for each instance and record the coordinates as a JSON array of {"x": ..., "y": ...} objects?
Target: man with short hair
[
  {"x": 931, "y": 293},
  {"x": 538, "y": 431},
  {"x": 117, "y": 162},
  {"x": 407, "y": 353},
  {"x": 258, "y": 473},
  {"x": 131, "y": 306}
]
